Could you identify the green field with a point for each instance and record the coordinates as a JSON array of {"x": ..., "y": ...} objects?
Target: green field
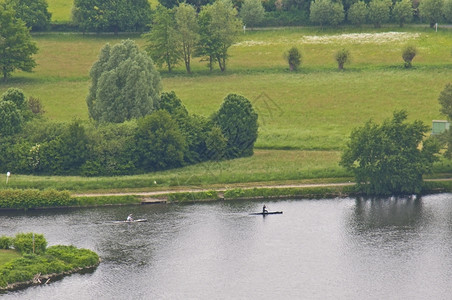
[
  {"x": 8, "y": 255},
  {"x": 311, "y": 110}
]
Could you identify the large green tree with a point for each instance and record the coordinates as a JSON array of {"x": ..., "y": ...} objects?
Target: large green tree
[
  {"x": 111, "y": 15},
  {"x": 237, "y": 120},
  {"x": 357, "y": 13},
  {"x": 188, "y": 30},
  {"x": 390, "y": 158},
  {"x": 431, "y": 11},
  {"x": 33, "y": 12},
  {"x": 124, "y": 84},
  {"x": 163, "y": 39},
  {"x": 402, "y": 12},
  {"x": 16, "y": 45},
  {"x": 252, "y": 12},
  {"x": 159, "y": 142},
  {"x": 379, "y": 12},
  {"x": 219, "y": 27},
  {"x": 326, "y": 12}
]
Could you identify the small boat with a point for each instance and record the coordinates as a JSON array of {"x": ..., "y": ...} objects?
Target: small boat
[
  {"x": 133, "y": 221},
  {"x": 267, "y": 213}
]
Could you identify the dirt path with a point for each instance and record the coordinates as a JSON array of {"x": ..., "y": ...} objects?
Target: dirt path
[{"x": 155, "y": 193}]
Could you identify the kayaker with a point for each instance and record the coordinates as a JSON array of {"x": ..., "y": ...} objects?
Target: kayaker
[
  {"x": 264, "y": 209},
  {"x": 130, "y": 218}
]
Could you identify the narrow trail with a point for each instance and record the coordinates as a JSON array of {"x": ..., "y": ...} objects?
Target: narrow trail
[{"x": 155, "y": 193}]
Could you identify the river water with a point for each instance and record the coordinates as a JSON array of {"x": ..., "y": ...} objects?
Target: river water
[{"x": 317, "y": 249}]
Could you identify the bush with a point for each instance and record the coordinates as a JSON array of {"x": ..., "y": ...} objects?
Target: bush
[
  {"x": 342, "y": 57},
  {"x": 293, "y": 57},
  {"x": 23, "y": 243},
  {"x": 409, "y": 52},
  {"x": 5, "y": 242},
  {"x": 29, "y": 198}
]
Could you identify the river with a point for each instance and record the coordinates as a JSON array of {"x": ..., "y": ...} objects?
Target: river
[{"x": 317, "y": 249}]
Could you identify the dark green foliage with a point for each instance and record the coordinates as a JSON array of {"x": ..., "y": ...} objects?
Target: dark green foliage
[
  {"x": 11, "y": 120},
  {"x": 67, "y": 152},
  {"x": 159, "y": 142},
  {"x": 5, "y": 242},
  {"x": 109, "y": 150},
  {"x": 379, "y": 12},
  {"x": 75, "y": 258},
  {"x": 293, "y": 57},
  {"x": 16, "y": 46},
  {"x": 124, "y": 84},
  {"x": 409, "y": 52},
  {"x": 402, "y": 12},
  {"x": 326, "y": 12},
  {"x": 388, "y": 158},
  {"x": 357, "y": 13},
  {"x": 431, "y": 11},
  {"x": 112, "y": 15},
  {"x": 27, "y": 198},
  {"x": 33, "y": 12},
  {"x": 28, "y": 243},
  {"x": 16, "y": 96},
  {"x": 238, "y": 122}
]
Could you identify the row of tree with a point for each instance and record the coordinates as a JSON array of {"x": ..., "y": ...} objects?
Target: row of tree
[
  {"x": 378, "y": 12},
  {"x": 168, "y": 137},
  {"x": 179, "y": 33}
]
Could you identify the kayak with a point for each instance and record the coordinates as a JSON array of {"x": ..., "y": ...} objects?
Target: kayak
[
  {"x": 134, "y": 221},
  {"x": 267, "y": 213}
]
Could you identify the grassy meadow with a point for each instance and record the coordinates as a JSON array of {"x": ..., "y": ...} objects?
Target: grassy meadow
[{"x": 305, "y": 117}]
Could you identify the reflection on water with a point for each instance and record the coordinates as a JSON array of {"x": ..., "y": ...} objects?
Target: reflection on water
[{"x": 318, "y": 249}]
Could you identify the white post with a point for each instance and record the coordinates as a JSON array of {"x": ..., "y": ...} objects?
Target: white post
[
  {"x": 436, "y": 27},
  {"x": 7, "y": 176}
]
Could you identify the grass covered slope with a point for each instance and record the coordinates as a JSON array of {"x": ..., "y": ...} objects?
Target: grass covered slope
[{"x": 314, "y": 109}]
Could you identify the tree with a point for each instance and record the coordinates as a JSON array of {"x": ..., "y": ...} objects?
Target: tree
[
  {"x": 124, "y": 84},
  {"x": 111, "y": 15},
  {"x": 16, "y": 46},
  {"x": 17, "y": 96},
  {"x": 252, "y": 12},
  {"x": 445, "y": 100},
  {"x": 11, "y": 120},
  {"x": 357, "y": 13},
  {"x": 403, "y": 12},
  {"x": 447, "y": 9},
  {"x": 326, "y": 12},
  {"x": 390, "y": 158},
  {"x": 293, "y": 57},
  {"x": 237, "y": 120},
  {"x": 219, "y": 28},
  {"x": 163, "y": 39},
  {"x": 379, "y": 12},
  {"x": 33, "y": 12},
  {"x": 342, "y": 57},
  {"x": 159, "y": 142},
  {"x": 188, "y": 29},
  {"x": 431, "y": 11},
  {"x": 408, "y": 53}
]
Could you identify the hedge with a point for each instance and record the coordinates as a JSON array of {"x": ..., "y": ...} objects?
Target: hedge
[{"x": 31, "y": 198}]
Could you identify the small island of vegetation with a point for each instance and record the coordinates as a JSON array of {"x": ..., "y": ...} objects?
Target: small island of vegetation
[{"x": 26, "y": 260}]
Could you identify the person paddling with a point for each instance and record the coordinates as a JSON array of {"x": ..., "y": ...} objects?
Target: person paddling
[
  {"x": 130, "y": 218},
  {"x": 264, "y": 209}
]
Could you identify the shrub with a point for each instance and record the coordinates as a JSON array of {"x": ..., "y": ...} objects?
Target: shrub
[
  {"x": 29, "y": 198},
  {"x": 409, "y": 52},
  {"x": 294, "y": 58},
  {"x": 342, "y": 57},
  {"x": 5, "y": 242},
  {"x": 23, "y": 243}
]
